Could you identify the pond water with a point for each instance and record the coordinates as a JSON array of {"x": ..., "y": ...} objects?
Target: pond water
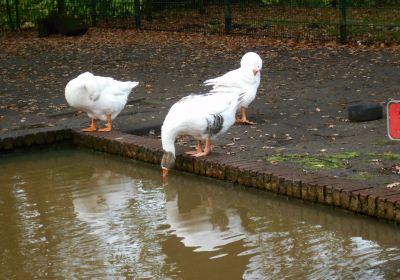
[{"x": 76, "y": 214}]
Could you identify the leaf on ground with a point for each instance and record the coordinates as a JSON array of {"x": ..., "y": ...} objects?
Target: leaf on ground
[{"x": 393, "y": 185}]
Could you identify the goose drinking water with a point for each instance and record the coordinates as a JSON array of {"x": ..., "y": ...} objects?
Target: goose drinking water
[{"x": 203, "y": 117}]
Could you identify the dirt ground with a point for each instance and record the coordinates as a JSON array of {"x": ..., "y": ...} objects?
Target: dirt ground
[{"x": 300, "y": 110}]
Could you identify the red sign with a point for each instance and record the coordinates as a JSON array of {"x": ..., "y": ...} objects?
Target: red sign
[{"x": 393, "y": 119}]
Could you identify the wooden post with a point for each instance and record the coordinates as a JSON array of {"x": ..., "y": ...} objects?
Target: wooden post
[
  {"x": 137, "y": 13},
  {"x": 228, "y": 16},
  {"x": 343, "y": 21}
]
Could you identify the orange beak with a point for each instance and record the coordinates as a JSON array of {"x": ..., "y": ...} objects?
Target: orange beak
[
  {"x": 255, "y": 72},
  {"x": 164, "y": 172}
]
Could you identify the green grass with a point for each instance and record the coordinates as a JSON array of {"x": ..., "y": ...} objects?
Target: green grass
[
  {"x": 318, "y": 161},
  {"x": 391, "y": 156},
  {"x": 385, "y": 142},
  {"x": 363, "y": 175}
]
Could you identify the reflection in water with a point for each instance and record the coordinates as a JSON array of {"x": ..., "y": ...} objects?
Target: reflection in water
[
  {"x": 206, "y": 238},
  {"x": 101, "y": 211},
  {"x": 200, "y": 223},
  {"x": 96, "y": 206},
  {"x": 75, "y": 214}
]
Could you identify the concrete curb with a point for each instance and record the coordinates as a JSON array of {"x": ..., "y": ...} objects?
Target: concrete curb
[{"x": 378, "y": 202}]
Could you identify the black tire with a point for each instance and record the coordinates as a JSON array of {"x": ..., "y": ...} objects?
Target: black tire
[{"x": 365, "y": 112}]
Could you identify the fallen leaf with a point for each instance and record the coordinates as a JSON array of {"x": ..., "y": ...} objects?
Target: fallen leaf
[{"x": 393, "y": 185}]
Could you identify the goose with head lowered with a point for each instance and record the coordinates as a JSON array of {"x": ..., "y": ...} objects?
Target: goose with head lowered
[
  {"x": 203, "y": 117},
  {"x": 246, "y": 78},
  {"x": 102, "y": 98}
]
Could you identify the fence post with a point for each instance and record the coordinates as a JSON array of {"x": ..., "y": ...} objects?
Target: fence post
[
  {"x": 17, "y": 22},
  {"x": 343, "y": 21},
  {"x": 228, "y": 16},
  {"x": 201, "y": 9},
  {"x": 60, "y": 6},
  {"x": 10, "y": 21},
  {"x": 149, "y": 9},
  {"x": 137, "y": 13},
  {"x": 93, "y": 12}
]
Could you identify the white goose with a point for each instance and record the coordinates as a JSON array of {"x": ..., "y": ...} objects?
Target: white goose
[
  {"x": 246, "y": 78},
  {"x": 202, "y": 116},
  {"x": 101, "y": 98}
]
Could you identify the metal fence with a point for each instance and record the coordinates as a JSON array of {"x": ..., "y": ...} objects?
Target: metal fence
[{"x": 343, "y": 20}]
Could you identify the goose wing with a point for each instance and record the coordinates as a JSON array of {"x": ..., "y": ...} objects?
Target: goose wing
[
  {"x": 208, "y": 104},
  {"x": 236, "y": 79},
  {"x": 110, "y": 86},
  {"x": 203, "y": 113}
]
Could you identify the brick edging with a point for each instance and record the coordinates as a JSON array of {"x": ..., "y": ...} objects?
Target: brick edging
[{"x": 372, "y": 201}]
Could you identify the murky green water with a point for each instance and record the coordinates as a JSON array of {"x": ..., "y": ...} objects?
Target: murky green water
[{"x": 67, "y": 214}]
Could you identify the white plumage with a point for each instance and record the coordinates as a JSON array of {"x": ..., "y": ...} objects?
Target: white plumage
[
  {"x": 101, "y": 98},
  {"x": 246, "y": 78},
  {"x": 202, "y": 116}
]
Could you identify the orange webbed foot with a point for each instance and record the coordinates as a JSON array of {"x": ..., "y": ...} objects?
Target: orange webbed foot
[
  {"x": 92, "y": 127},
  {"x": 89, "y": 129},
  {"x": 109, "y": 124},
  {"x": 106, "y": 129},
  {"x": 244, "y": 121},
  {"x": 202, "y": 154}
]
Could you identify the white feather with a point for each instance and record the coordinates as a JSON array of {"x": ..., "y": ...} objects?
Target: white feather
[
  {"x": 239, "y": 79},
  {"x": 98, "y": 96}
]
